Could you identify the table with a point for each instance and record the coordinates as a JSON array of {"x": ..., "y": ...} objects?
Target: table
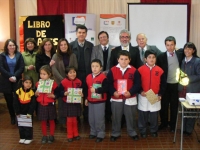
[{"x": 183, "y": 110}]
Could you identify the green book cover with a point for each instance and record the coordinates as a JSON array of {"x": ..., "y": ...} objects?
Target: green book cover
[
  {"x": 45, "y": 86},
  {"x": 95, "y": 95},
  {"x": 74, "y": 96}
]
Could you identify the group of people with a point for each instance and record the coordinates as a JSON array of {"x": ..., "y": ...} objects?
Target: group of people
[{"x": 79, "y": 64}]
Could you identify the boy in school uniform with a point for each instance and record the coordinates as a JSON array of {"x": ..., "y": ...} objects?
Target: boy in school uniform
[
  {"x": 124, "y": 102},
  {"x": 152, "y": 77}
]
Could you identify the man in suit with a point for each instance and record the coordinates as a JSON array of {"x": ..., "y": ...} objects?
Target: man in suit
[
  {"x": 125, "y": 37},
  {"x": 141, "y": 40},
  {"x": 103, "y": 52},
  {"x": 170, "y": 61},
  {"x": 83, "y": 50}
]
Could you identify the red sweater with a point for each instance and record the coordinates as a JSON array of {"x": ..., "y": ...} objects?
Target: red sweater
[{"x": 151, "y": 79}]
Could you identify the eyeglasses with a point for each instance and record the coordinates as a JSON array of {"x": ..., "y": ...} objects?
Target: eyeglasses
[{"x": 124, "y": 37}]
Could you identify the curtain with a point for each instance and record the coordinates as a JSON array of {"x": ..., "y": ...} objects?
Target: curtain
[{"x": 58, "y": 7}]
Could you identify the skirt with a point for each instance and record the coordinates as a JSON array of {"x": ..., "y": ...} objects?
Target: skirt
[
  {"x": 47, "y": 112},
  {"x": 71, "y": 110}
]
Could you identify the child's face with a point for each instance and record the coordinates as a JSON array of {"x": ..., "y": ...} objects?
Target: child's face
[
  {"x": 44, "y": 75},
  {"x": 96, "y": 68},
  {"x": 151, "y": 60},
  {"x": 27, "y": 84},
  {"x": 123, "y": 61},
  {"x": 71, "y": 74}
]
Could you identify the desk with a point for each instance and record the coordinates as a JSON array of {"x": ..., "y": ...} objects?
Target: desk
[{"x": 183, "y": 109}]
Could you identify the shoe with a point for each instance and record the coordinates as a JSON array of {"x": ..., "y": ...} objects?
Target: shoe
[
  {"x": 13, "y": 120},
  {"x": 77, "y": 138},
  {"x": 21, "y": 141},
  {"x": 154, "y": 134},
  {"x": 44, "y": 140},
  {"x": 99, "y": 140},
  {"x": 51, "y": 139},
  {"x": 27, "y": 141},
  {"x": 143, "y": 135},
  {"x": 135, "y": 137},
  {"x": 113, "y": 138},
  {"x": 92, "y": 136},
  {"x": 70, "y": 140},
  {"x": 162, "y": 126}
]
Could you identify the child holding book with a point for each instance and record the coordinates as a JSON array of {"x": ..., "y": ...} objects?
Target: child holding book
[
  {"x": 24, "y": 104},
  {"x": 152, "y": 77},
  {"x": 97, "y": 84},
  {"x": 71, "y": 109},
  {"x": 123, "y": 95},
  {"x": 46, "y": 93}
]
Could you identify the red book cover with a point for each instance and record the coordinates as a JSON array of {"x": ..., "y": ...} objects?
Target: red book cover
[{"x": 122, "y": 86}]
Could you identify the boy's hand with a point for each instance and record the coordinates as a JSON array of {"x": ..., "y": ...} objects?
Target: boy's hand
[
  {"x": 66, "y": 93},
  {"x": 143, "y": 93},
  {"x": 37, "y": 93},
  {"x": 92, "y": 89},
  {"x": 127, "y": 94},
  {"x": 159, "y": 98},
  {"x": 86, "y": 102},
  {"x": 81, "y": 94},
  {"x": 116, "y": 94},
  {"x": 28, "y": 116},
  {"x": 50, "y": 95}
]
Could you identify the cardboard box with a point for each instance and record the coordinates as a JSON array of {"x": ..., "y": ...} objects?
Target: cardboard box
[{"x": 193, "y": 98}]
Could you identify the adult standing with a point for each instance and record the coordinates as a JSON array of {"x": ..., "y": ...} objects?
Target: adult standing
[
  {"x": 62, "y": 59},
  {"x": 190, "y": 68},
  {"x": 29, "y": 56},
  {"x": 125, "y": 37},
  {"x": 83, "y": 50},
  {"x": 11, "y": 68},
  {"x": 102, "y": 52},
  {"x": 170, "y": 62}
]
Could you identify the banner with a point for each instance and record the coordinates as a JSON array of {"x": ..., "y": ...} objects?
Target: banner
[
  {"x": 72, "y": 20},
  {"x": 40, "y": 27},
  {"x": 113, "y": 24}
]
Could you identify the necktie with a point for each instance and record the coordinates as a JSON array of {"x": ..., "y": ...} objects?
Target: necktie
[
  {"x": 105, "y": 48},
  {"x": 172, "y": 54},
  {"x": 142, "y": 53}
]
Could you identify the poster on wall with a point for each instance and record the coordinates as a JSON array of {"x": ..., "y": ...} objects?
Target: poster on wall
[
  {"x": 113, "y": 24},
  {"x": 40, "y": 27},
  {"x": 73, "y": 20}
]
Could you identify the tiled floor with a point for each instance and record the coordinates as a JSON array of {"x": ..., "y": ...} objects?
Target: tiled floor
[{"x": 9, "y": 138}]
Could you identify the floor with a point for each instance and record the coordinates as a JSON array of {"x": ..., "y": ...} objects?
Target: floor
[{"x": 9, "y": 138}]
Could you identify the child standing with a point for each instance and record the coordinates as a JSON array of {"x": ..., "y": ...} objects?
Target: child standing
[
  {"x": 125, "y": 103},
  {"x": 97, "y": 98},
  {"x": 152, "y": 77},
  {"x": 46, "y": 108},
  {"x": 24, "y": 104},
  {"x": 71, "y": 110}
]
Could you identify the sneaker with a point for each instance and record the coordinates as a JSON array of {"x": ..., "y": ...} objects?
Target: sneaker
[
  {"x": 44, "y": 140},
  {"x": 27, "y": 141},
  {"x": 51, "y": 139},
  {"x": 21, "y": 141}
]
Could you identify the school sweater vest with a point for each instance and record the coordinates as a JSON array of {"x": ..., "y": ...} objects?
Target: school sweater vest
[
  {"x": 24, "y": 97},
  {"x": 66, "y": 83},
  {"x": 128, "y": 74},
  {"x": 150, "y": 78},
  {"x": 97, "y": 80}
]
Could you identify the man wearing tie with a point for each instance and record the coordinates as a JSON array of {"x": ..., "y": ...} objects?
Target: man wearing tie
[
  {"x": 141, "y": 40},
  {"x": 125, "y": 37}
]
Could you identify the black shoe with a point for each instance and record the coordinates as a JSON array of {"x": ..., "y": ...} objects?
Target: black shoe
[
  {"x": 99, "y": 140},
  {"x": 135, "y": 137},
  {"x": 77, "y": 138},
  {"x": 154, "y": 134},
  {"x": 92, "y": 136},
  {"x": 113, "y": 138},
  {"x": 143, "y": 135},
  {"x": 51, "y": 139},
  {"x": 162, "y": 126},
  {"x": 44, "y": 140},
  {"x": 70, "y": 140},
  {"x": 13, "y": 120}
]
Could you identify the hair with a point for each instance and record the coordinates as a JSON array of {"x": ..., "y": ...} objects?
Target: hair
[
  {"x": 124, "y": 53},
  {"x": 32, "y": 41},
  {"x": 125, "y": 31},
  {"x": 191, "y": 45},
  {"x": 81, "y": 27},
  {"x": 102, "y": 33},
  {"x": 59, "y": 52},
  {"x": 41, "y": 49},
  {"x": 69, "y": 68},
  {"x": 21, "y": 82},
  {"x": 97, "y": 61},
  {"x": 149, "y": 52},
  {"x": 141, "y": 34},
  {"x": 170, "y": 38},
  {"x": 47, "y": 69},
  {"x": 7, "y": 43}
]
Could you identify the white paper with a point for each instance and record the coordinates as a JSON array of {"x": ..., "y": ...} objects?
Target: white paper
[{"x": 24, "y": 121}]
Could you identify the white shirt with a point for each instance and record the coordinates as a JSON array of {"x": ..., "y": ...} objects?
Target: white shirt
[
  {"x": 187, "y": 60},
  {"x": 125, "y": 48},
  {"x": 104, "y": 46},
  {"x": 169, "y": 55}
]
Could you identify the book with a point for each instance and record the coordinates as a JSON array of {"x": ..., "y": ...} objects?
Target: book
[
  {"x": 121, "y": 86},
  {"x": 96, "y": 95},
  {"x": 151, "y": 96},
  {"x": 45, "y": 86},
  {"x": 24, "y": 121},
  {"x": 73, "y": 95}
]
